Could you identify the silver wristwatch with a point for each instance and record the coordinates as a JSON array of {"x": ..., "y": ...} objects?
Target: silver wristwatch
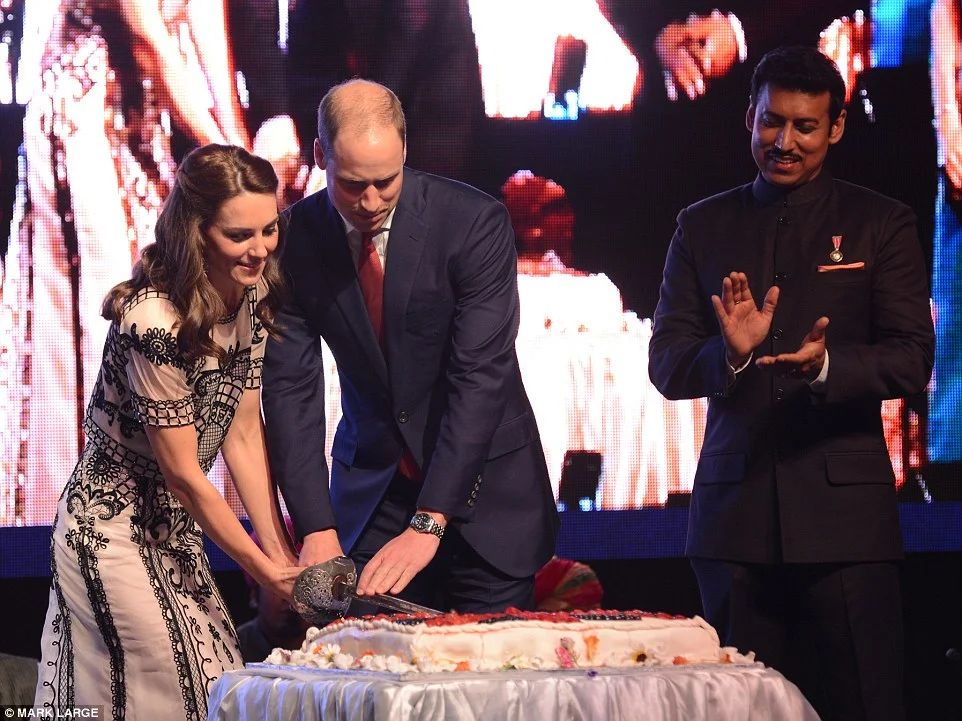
[{"x": 423, "y": 523}]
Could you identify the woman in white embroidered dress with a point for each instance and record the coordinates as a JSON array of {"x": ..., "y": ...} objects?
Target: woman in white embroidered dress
[{"x": 135, "y": 623}]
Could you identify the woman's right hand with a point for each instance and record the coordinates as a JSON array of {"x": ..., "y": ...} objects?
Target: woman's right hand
[{"x": 280, "y": 581}]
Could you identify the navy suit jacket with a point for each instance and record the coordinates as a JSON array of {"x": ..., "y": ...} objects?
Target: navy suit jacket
[
  {"x": 448, "y": 385},
  {"x": 787, "y": 474}
]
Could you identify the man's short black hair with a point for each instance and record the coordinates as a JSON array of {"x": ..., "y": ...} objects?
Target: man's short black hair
[{"x": 803, "y": 68}]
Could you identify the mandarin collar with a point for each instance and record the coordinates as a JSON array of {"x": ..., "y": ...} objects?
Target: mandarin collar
[{"x": 769, "y": 193}]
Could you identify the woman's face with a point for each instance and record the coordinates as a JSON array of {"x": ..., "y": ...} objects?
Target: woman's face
[{"x": 239, "y": 240}]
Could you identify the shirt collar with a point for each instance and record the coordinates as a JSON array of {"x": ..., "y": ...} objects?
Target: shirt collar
[
  {"x": 769, "y": 193},
  {"x": 385, "y": 226}
]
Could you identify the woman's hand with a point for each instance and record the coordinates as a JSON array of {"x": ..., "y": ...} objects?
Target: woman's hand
[{"x": 280, "y": 581}]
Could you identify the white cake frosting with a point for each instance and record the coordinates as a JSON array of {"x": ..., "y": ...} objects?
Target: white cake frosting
[{"x": 513, "y": 640}]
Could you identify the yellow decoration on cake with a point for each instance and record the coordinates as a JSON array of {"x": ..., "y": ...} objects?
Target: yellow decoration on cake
[{"x": 591, "y": 645}]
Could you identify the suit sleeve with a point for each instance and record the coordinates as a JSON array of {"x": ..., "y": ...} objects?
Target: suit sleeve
[
  {"x": 480, "y": 366},
  {"x": 898, "y": 360},
  {"x": 293, "y": 403},
  {"x": 686, "y": 354}
]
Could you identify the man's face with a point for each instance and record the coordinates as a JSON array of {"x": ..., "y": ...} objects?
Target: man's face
[
  {"x": 791, "y": 132},
  {"x": 364, "y": 174}
]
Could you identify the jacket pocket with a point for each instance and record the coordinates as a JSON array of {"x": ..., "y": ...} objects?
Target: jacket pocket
[
  {"x": 343, "y": 449},
  {"x": 721, "y": 468},
  {"x": 849, "y": 469},
  {"x": 848, "y": 278},
  {"x": 511, "y": 435}
]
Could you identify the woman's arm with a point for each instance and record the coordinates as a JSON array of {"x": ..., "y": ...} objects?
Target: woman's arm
[
  {"x": 245, "y": 452},
  {"x": 160, "y": 59},
  {"x": 176, "y": 451},
  {"x": 208, "y": 28},
  {"x": 945, "y": 90}
]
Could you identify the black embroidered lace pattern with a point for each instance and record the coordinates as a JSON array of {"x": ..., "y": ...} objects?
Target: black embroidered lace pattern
[
  {"x": 232, "y": 316},
  {"x": 117, "y": 480}
]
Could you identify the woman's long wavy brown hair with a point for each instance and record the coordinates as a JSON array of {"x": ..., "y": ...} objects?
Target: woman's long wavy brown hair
[{"x": 174, "y": 264}]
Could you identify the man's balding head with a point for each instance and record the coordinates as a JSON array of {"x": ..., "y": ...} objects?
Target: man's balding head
[{"x": 356, "y": 106}]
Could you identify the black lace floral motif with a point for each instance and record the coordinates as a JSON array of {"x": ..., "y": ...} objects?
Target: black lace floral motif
[
  {"x": 98, "y": 489},
  {"x": 164, "y": 413},
  {"x": 254, "y": 375},
  {"x": 257, "y": 328},
  {"x": 157, "y": 345},
  {"x": 171, "y": 548},
  {"x": 113, "y": 398},
  {"x": 258, "y": 333},
  {"x": 118, "y": 474},
  {"x": 232, "y": 316},
  {"x": 62, "y": 687},
  {"x": 138, "y": 466},
  {"x": 218, "y": 393}
]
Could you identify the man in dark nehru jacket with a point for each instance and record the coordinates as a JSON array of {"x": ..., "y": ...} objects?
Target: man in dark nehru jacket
[{"x": 823, "y": 312}]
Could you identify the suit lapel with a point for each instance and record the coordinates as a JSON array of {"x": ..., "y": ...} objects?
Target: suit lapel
[
  {"x": 338, "y": 266},
  {"x": 406, "y": 241}
]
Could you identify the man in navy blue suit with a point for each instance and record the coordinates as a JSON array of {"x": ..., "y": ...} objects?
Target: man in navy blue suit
[{"x": 438, "y": 488}]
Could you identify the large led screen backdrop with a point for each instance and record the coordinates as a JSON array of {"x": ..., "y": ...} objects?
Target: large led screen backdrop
[{"x": 595, "y": 121}]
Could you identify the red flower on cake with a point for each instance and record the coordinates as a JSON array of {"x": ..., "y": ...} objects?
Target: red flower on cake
[{"x": 567, "y": 656}]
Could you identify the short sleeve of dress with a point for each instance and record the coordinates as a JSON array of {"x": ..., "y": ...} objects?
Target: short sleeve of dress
[
  {"x": 155, "y": 370},
  {"x": 258, "y": 337}
]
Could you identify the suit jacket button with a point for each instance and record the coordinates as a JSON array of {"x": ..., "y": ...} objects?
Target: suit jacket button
[
  {"x": 471, "y": 503},
  {"x": 402, "y": 417},
  {"x": 479, "y": 478},
  {"x": 779, "y": 394},
  {"x": 777, "y": 334}
]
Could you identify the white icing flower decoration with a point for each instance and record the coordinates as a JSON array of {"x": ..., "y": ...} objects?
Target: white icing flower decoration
[
  {"x": 396, "y": 665},
  {"x": 342, "y": 661},
  {"x": 279, "y": 657},
  {"x": 328, "y": 651}
]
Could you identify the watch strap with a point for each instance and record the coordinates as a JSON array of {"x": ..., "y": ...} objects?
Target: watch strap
[{"x": 424, "y": 523}]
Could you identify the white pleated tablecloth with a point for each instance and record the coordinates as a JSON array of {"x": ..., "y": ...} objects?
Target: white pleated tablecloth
[{"x": 751, "y": 692}]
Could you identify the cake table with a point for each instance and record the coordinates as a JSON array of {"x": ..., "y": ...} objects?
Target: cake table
[{"x": 751, "y": 692}]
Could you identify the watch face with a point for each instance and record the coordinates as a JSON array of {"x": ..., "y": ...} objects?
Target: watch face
[{"x": 423, "y": 523}]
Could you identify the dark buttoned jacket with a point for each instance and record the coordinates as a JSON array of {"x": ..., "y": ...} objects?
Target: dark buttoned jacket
[{"x": 786, "y": 473}]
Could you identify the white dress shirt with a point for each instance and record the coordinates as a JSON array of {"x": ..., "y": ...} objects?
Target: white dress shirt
[{"x": 380, "y": 239}]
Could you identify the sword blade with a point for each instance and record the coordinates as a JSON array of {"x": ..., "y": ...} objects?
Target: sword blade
[{"x": 395, "y": 604}]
